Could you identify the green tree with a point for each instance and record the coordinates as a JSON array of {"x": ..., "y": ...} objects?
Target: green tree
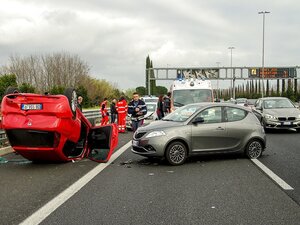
[
  {"x": 6, "y": 81},
  {"x": 152, "y": 82},
  {"x": 268, "y": 89},
  {"x": 289, "y": 91},
  {"x": 81, "y": 91},
  {"x": 57, "y": 90},
  {"x": 26, "y": 88},
  {"x": 148, "y": 64},
  {"x": 141, "y": 90},
  {"x": 295, "y": 88},
  {"x": 150, "y": 72},
  {"x": 160, "y": 90},
  {"x": 278, "y": 87},
  {"x": 283, "y": 93}
]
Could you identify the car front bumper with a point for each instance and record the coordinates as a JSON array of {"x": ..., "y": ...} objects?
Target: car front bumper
[
  {"x": 272, "y": 124},
  {"x": 154, "y": 146}
]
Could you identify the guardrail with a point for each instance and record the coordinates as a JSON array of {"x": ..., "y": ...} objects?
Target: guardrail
[{"x": 93, "y": 116}]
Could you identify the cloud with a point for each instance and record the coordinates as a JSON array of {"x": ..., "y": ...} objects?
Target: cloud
[{"x": 115, "y": 37}]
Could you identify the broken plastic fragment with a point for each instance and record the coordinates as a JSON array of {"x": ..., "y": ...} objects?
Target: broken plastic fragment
[{"x": 3, "y": 160}]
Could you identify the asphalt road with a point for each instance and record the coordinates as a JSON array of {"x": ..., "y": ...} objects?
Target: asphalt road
[
  {"x": 283, "y": 158},
  {"x": 217, "y": 189}
]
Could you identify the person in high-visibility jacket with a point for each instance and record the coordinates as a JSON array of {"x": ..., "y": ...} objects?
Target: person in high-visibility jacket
[
  {"x": 122, "y": 109},
  {"x": 104, "y": 112}
]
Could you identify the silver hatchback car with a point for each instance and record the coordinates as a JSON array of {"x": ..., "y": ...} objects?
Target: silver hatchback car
[{"x": 201, "y": 128}]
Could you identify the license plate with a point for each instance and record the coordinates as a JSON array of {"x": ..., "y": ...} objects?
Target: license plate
[
  {"x": 135, "y": 143},
  {"x": 32, "y": 106},
  {"x": 287, "y": 123}
]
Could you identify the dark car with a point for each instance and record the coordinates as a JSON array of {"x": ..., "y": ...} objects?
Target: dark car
[
  {"x": 52, "y": 128},
  {"x": 201, "y": 128},
  {"x": 277, "y": 113}
]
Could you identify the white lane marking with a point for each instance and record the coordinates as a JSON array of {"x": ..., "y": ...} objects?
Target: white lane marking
[
  {"x": 272, "y": 175},
  {"x": 41, "y": 214}
]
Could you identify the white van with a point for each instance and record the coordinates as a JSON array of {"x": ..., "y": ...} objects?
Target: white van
[{"x": 192, "y": 90}]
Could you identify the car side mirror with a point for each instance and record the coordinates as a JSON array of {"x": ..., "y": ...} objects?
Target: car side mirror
[{"x": 198, "y": 120}]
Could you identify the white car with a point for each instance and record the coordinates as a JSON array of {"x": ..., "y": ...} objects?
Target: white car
[
  {"x": 149, "y": 117},
  {"x": 151, "y": 112}
]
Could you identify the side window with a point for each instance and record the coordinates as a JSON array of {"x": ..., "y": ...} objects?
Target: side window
[
  {"x": 235, "y": 114},
  {"x": 211, "y": 115}
]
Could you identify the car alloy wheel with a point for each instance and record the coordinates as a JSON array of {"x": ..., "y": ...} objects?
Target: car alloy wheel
[
  {"x": 176, "y": 153},
  {"x": 254, "y": 149}
]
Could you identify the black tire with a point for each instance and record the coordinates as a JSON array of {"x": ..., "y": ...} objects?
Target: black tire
[
  {"x": 70, "y": 93},
  {"x": 254, "y": 149},
  {"x": 11, "y": 90},
  {"x": 176, "y": 153}
]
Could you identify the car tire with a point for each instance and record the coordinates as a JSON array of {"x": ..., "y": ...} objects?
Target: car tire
[
  {"x": 176, "y": 153},
  {"x": 11, "y": 90},
  {"x": 254, "y": 149},
  {"x": 71, "y": 95}
]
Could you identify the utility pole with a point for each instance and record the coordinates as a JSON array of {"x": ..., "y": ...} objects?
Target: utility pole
[
  {"x": 232, "y": 81},
  {"x": 263, "y": 54}
]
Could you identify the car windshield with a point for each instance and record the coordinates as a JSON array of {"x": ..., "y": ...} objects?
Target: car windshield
[
  {"x": 182, "y": 114},
  {"x": 150, "y": 99},
  {"x": 251, "y": 101},
  {"x": 150, "y": 107},
  {"x": 184, "y": 97},
  {"x": 277, "y": 104},
  {"x": 241, "y": 100}
]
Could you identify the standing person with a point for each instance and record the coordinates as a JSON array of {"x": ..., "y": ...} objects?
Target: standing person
[
  {"x": 122, "y": 109},
  {"x": 79, "y": 102},
  {"x": 137, "y": 108},
  {"x": 160, "y": 108},
  {"x": 113, "y": 111},
  {"x": 104, "y": 112},
  {"x": 167, "y": 103}
]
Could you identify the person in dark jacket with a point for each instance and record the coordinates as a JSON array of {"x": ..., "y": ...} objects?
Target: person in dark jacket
[
  {"x": 113, "y": 111},
  {"x": 160, "y": 108},
  {"x": 137, "y": 108}
]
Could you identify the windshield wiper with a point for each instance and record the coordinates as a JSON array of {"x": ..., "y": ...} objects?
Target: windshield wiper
[{"x": 178, "y": 104}]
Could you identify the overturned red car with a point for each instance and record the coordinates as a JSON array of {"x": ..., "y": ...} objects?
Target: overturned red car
[{"x": 52, "y": 128}]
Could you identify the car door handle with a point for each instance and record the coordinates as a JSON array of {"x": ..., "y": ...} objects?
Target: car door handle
[{"x": 220, "y": 128}]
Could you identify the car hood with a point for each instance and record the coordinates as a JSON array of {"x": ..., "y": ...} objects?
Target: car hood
[
  {"x": 159, "y": 125},
  {"x": 284, "y": 112}
]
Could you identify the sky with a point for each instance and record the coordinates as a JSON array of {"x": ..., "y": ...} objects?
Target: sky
[{"x": 114, "y": 37}]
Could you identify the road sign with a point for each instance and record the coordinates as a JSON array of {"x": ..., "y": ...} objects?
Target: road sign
[
  {"x": 273, "y": 73},
  {"x": 198, "y": 73}
]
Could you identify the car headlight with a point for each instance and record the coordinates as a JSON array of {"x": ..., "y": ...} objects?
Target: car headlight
[
  {"x": 268, "y": 116},
  {"x": 155, "y": 134}
]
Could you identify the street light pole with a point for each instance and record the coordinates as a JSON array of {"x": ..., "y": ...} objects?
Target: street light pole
[
  {"x": 232, "y": 91},
  {"x": 218, "y": 63},
  {"x": 263, "y": 54}
]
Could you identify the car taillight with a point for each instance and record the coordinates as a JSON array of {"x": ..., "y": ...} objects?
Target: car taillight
[{"x": 56, "y": 139}]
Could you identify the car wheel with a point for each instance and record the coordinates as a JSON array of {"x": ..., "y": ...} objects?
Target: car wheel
[
  {"x": 11, "y": 90},
  {"x": 176, "y": 153},
  {"x": 254, "y": 149},
  {"x": 70, "y": 93}
]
